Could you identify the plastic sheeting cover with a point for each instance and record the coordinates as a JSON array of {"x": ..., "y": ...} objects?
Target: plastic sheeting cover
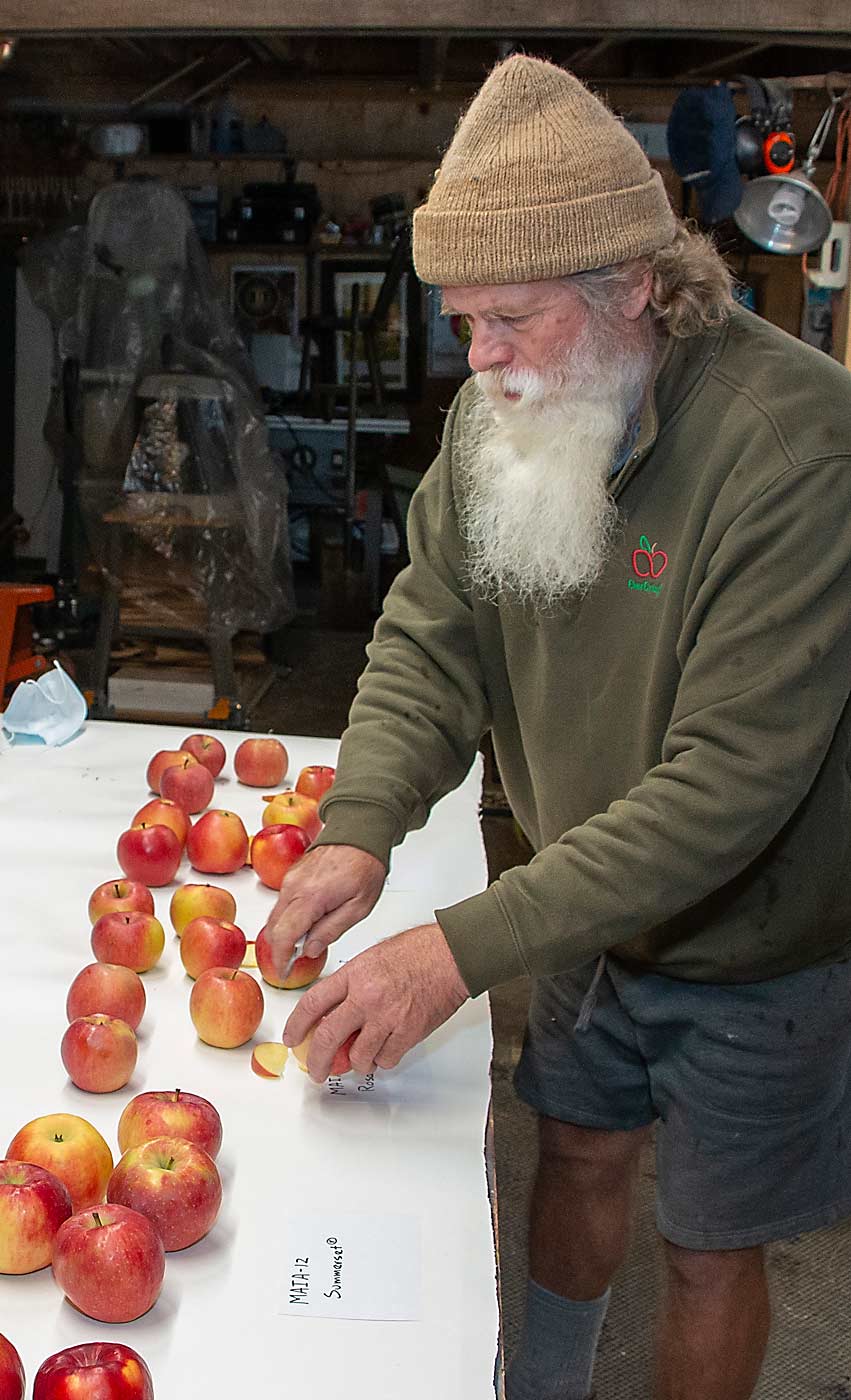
[{"x": 168, "y": 429}]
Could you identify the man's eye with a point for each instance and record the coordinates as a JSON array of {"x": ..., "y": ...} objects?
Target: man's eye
[{"x": 516, "y": 320}]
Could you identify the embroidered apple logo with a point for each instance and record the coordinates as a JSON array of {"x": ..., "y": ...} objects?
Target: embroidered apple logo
[{"x": 657, "y": 559}]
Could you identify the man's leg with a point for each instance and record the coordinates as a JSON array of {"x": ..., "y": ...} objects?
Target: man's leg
[
  {"x": 582, "y": 1206},
  {"x": 714, "y": 1325},
  {"x": 579, "y": 1230}
]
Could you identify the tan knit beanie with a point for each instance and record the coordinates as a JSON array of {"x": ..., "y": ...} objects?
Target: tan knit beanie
[{"x": 541, "y": 180}]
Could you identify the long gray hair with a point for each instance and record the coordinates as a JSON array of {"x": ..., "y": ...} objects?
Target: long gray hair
[{"x": 691, "y": 289}]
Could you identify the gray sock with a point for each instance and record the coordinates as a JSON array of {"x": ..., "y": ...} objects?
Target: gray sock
[{"x": 555, "y": 1356}]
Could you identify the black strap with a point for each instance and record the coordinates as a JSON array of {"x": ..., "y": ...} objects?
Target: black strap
[{"x": 758, "y": 100}]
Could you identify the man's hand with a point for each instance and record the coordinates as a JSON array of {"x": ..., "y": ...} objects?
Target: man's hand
[
  {"x": 325, "y": 893},
  {"x": 394, "y": 995}
]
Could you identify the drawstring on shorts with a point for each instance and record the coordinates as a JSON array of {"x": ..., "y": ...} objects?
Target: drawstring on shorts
[{"x": 589, "y": 1001}]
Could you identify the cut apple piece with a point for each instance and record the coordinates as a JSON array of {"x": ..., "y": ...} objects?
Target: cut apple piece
[
  {"x": 250, "y": 959},
  {"x": 268, "y": 1059}
]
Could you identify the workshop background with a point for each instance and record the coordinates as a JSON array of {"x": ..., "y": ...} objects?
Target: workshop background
[{"x": 222, "y": 382}]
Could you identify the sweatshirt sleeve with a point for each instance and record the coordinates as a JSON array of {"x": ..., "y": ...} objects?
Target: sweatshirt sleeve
[
  {"x": 765, "y": 665},
  {"x": 421, "y": 707}
]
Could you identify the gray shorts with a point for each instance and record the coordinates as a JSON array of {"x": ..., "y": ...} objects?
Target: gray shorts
[{"x": 751, "y": 1085}]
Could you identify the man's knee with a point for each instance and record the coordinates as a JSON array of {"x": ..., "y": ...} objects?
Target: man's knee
[
  {"x": 712, "y": 1271},
  {"x": 591, "y": 1153}
]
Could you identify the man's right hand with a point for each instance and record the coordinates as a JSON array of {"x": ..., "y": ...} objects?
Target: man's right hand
[{"x": 329, "y": 890}]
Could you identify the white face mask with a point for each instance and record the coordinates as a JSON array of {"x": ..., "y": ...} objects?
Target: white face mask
[
  {"x": 51, "y": 709},
  {"x": 536, "y": 512}
]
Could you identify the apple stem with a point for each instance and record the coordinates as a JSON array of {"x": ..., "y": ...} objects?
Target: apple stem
[
  {"x": 117, "y": 891},
  {"x": 170, "y": 1164},
  {"x": 235, "y": 971},
  {"x": 96, "y": 1218},
  {"x": 176, "y": 1095}
]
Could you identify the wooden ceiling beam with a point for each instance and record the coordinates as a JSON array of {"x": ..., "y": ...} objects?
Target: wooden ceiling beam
[
  {"x": 723, "y": 65},
  {"x": 582, "y": 59},
  {"x": 735, "y": 17}
]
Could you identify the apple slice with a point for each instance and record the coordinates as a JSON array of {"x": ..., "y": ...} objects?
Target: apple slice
[
  {"x": 268, "y": 1059},
  {"x": 250, "y": 959}
]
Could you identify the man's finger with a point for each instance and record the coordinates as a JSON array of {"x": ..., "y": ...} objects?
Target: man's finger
[
  {"x": 330, "y": 1034},
  {"x": 395, "y": 1046},
  {"x": 332, "y": 926},
  {"x": 365, "y": 1051},
  {"x": 322, "y": 997},
  {"x": 294, "y": 923}
]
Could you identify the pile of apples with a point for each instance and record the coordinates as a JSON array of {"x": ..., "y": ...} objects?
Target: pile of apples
[
  {"x": 183, "y": 781},
  {"x": 106, "y": 1000},
  {"x": 106, "y": 1228}
]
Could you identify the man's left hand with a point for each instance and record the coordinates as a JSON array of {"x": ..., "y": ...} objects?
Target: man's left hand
[{"x": 394, "y": 994}]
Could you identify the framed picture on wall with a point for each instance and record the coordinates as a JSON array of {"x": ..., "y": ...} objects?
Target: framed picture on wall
[
  {"x": 399, "y": 339},
  {"x": 448, "y": 341},
  {"x": 266, "y": 304}
]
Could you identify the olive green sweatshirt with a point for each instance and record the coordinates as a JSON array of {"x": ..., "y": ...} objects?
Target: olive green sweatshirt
[{"x": 676, "y": 743}]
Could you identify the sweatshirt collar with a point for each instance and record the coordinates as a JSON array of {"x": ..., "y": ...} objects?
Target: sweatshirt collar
[{"x": 682, "y": 364}]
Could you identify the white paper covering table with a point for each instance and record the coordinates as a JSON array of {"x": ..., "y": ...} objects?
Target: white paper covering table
[{"x": 413, "y": 1148}]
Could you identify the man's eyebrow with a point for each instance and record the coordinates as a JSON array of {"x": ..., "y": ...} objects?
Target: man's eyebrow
[{"x": 507, "y": 311}]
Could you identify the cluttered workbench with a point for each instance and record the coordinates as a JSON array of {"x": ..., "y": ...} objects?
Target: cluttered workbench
[{"x": 390, "y": 1168}]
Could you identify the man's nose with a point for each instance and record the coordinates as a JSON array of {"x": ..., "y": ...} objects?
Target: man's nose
[{"x": 488, "y": 349}]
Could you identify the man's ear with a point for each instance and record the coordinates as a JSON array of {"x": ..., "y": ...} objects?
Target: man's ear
[{"x": 636, "y": 301}]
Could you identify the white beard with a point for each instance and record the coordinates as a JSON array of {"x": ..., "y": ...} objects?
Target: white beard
[{"x": 535, "y": 509}]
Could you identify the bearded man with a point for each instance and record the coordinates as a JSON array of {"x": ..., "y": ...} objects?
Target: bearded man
[{"x": 630, "y": 564}]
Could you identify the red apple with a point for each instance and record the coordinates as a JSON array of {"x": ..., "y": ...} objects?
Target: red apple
[
  {"x": 275, "y": 849},
  {"x": 294, "y": 809},
  {"x": 261, "y": 762},
  {"x": 175, "y": 1183},
  {"x": 33, "y": 1204},
  {"x": 109, "y": 988},
  {"x": 315, "y": 780},
  {"x": 120, "y": 896},
  {"x": 303, "y": 971},
  {"x": 189, "y": 784},
  {"x": 170, "y": 1113},
  {"x": 69, "y": 1147},
  {"x": 207, "y": 750},
  {"x": 12, "y": 1380},
  {"x": 226, "y": 1007},
  {"x": 210, "y": 943},
  {"x": 341, "y": 1064},
  {"x": 93, "y": 1371},
  {"x": 99, "y": 1053},
  {"x": 149, "y": 853},
  {"x": 161, "y": 811},
  {"x": 218, "y": 843},
  {"x": 191, "y": 901},
  {"x": 166, "y": 758},
  {"x": 131, "y": 940},
  {"x": 109, "y": 1262}
]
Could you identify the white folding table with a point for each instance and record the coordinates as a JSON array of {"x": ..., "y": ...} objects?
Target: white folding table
[{"x": 403, "y": 1159}]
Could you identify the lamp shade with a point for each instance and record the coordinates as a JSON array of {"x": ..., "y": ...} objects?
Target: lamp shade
[{"x": 784, "y": 213}]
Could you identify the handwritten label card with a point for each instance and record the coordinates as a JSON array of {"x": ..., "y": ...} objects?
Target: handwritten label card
[
  {"x": 355, "y": 1086},
  {"x": 366, "y": 1267}
]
